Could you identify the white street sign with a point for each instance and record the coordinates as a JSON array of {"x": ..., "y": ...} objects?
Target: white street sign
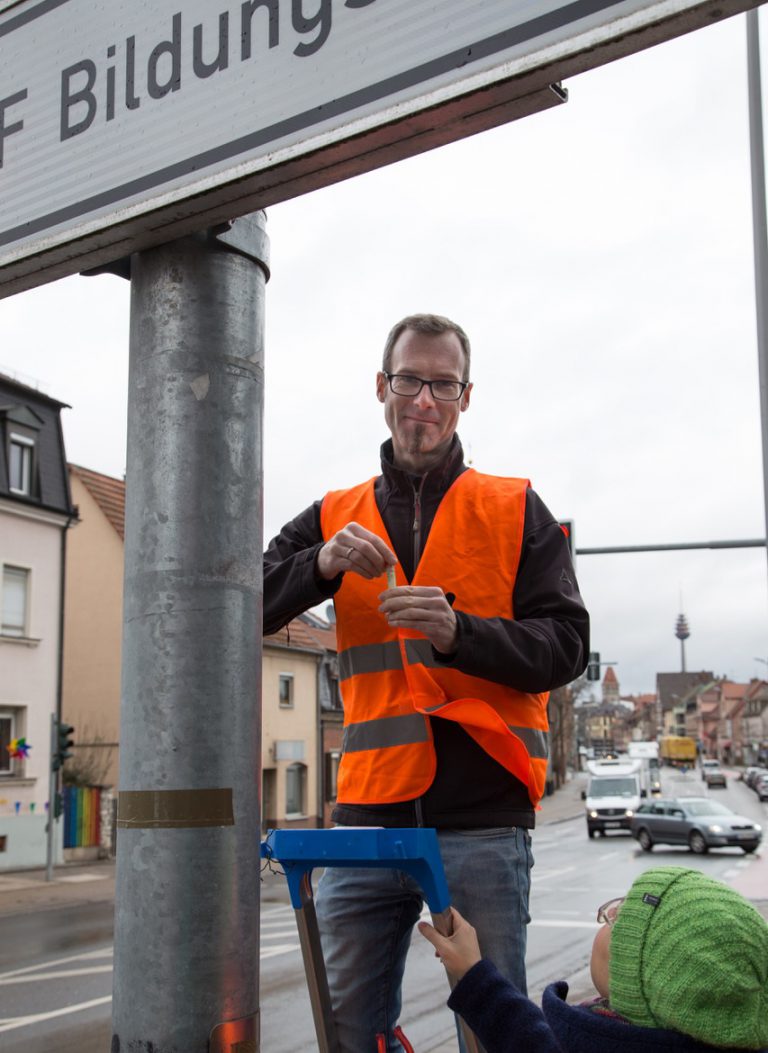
[{"x": 124, "y": 124}]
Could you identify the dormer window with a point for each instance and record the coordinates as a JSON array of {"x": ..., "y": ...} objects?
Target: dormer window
[
  {"x": 21, "y": 452},
  {"x": 21, "y": 430}
]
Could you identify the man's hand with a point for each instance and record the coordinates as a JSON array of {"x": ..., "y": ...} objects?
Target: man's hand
[
  {"x": 422, "y": 607},
  {"x": 357, "y": 549},
  {"x": 458, "y": 952}
]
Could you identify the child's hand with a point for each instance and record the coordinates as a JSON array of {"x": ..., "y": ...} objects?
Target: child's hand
[{"x": 458, "y": 952}]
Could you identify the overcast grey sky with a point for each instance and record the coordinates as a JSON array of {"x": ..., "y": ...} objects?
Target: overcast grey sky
[{"x": 600, "y": 257}]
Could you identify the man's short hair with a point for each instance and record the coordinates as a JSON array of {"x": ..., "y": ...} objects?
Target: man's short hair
[{"x": 430, "y": 325}]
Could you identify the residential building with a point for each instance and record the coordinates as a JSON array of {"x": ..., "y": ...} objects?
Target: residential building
[
  {"x": 301, "y": 734},
  {"x": 93, "y": 609},
  {"x": 674, "y": 691},
  {"x": 707, "y": 703},
  {"x": 602, "y": 727},
  {"x": 301, "y": 707},
  {"x": 643, "y": 721},
  {"x": 331, "y": 712},
  {"x": 754, "y": 723},
  {"x": 729, "y": 732},
  {"x": 35, "y": 513},
  {"x": 711, "y": 714}
]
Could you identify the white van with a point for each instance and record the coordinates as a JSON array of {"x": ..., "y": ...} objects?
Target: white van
[
  {"x": 614, "y": 793},
  {"x": 648, "y": 754}
]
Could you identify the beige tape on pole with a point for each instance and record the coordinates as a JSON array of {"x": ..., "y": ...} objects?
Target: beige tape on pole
[{"x": 148, "y": 809}]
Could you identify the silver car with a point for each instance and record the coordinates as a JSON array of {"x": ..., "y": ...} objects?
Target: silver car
[
  {"x": 697, "y": 822},
  {"x": 712, "y": 773}
]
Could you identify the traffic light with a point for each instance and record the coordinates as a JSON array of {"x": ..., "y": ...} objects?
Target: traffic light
[
  {"x": 58, "y": 805},
  {"x": 593, "y": 667},
  {"x": 568, "y": 528},
  {"x": 64, "y": 744}
]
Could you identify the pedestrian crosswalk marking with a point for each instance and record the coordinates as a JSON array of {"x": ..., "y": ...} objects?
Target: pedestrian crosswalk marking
[
  {"x": 24, "y": 1021},
  {"x": 90, "y": 970}
]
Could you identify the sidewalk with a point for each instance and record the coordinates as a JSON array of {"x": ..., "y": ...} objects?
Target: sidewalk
[{"x": 82, "y": 883}]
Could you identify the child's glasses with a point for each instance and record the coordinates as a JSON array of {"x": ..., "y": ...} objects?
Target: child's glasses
[{"x": 607, "y": 914}]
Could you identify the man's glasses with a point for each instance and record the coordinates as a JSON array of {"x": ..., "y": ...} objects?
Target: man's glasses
[
  {"x": 607, "y": 914},
  {"x": 442, "y": 390}
]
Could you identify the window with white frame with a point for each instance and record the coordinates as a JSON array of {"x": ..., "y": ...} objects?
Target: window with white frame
[
  {"x": 21, "y": 452},
  {"x": 14, "y": 599},
  {"x": 7, "y": 735},
  {"x": 295, "y": 789},
  {"x": 285, "y": 690}
]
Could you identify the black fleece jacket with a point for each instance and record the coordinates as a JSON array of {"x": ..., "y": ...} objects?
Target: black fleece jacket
[{"x": 544, "y": 647}]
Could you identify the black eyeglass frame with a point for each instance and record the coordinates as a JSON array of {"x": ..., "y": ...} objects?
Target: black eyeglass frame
[
  {"x": 464, "y": 384},
  {"x": 607, "y": 912}
]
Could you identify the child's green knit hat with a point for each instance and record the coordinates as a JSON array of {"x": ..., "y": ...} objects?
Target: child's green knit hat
[{"x": 691, "y": 954}]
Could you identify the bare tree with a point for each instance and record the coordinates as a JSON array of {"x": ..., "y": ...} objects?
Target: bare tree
[{"x": 91, "y": 762}]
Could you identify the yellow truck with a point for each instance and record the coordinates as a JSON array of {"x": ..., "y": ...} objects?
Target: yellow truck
[{"x": 677, "y": 750}]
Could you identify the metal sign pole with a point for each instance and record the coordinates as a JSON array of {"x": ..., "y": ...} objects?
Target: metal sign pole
[
  {"x": 187, "y": 896},
  {"x": 53, "y": 786},
  {"x": 759, "y": 227}
]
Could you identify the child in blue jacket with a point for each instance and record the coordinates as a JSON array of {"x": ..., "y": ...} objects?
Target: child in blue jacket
[{"x": 680, "y": 963}]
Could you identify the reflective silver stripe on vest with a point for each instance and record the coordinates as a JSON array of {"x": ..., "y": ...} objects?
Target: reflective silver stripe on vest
[
  {"x": 388, "y": 731},
  {"x": 369, "y": 658},
  {"x": 376, "y": 658},
  {"x": 536, "y": 742},
  {"x": 420, "y": 652}
]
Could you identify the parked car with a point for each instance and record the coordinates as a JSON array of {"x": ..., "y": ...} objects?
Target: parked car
[
  {"x": 753, "y": 774},
  {"x": 760, "y": 786},
  {"x": 712, "y": 773},
  {"x": 698, "y": 822}
]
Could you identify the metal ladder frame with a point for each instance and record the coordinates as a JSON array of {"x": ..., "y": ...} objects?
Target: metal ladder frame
[{"x": 414, "y": 850}]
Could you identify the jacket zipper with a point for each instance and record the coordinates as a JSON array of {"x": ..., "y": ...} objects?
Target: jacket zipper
[
  {"x": 417, "y": 525},
  {"x": 416, "y": 557}
]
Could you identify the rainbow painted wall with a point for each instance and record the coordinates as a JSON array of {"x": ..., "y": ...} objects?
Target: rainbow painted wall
[{"x": 82, "y": 816}]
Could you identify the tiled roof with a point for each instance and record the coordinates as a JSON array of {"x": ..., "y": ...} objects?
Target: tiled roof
[
  {"x": 672, "y": 687},
  {"x": 108, "y": 493},
  {"x": 732, "y": 691},
  {"x": 640, "y": 701},
  {"x": 326, "y": 637},
  {"x": 610, "y": 676},
  {"x": 299, "y": 635},
  {"x": 756, "y": 689}
]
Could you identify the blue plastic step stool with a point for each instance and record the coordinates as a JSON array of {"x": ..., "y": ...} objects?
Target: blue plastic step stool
[{"x": 415, "y": 851}]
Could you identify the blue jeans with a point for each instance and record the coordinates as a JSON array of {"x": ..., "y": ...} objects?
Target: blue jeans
[{"x": 366, "y": 918}]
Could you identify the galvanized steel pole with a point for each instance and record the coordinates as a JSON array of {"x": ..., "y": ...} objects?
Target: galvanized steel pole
[
  {"x": 759, "y": 228},
  {"x": 187, "y": 897}
]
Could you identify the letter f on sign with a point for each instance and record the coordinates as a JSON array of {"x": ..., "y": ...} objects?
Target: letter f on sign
[{"x": 9, "y": 129}]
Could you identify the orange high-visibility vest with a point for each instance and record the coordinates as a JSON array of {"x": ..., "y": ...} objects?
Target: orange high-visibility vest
[{"x": 390, "y": 681}]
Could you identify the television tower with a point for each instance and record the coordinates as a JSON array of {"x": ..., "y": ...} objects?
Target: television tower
[{"x": 682, "y": 632}]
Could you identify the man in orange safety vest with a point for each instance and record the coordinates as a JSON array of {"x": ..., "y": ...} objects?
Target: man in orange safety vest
[{"x": 445, "y": 666}]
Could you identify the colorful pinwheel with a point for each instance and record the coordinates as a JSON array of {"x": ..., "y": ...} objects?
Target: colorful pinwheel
[{"x": 19, "y": 748}]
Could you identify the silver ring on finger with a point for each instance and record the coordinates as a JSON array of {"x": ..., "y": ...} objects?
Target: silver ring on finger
[{"x": 349, "y": 553}]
